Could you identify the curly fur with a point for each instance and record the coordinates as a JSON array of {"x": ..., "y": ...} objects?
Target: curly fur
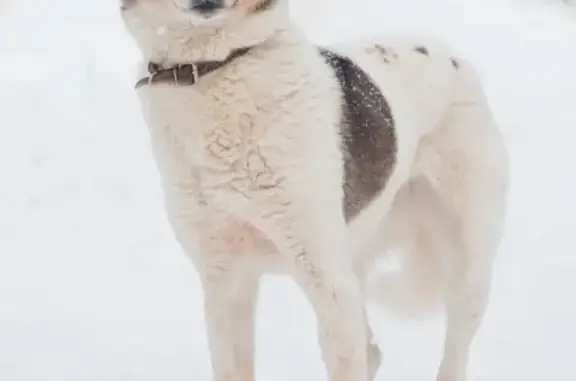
[{"x": 252, "y": 167}]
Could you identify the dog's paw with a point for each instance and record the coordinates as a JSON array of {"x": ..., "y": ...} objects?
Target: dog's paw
[
  {"x": 450, "y": 375},
  {"x": 449, "y": 378},
  {"x": 374, "y": 360}
]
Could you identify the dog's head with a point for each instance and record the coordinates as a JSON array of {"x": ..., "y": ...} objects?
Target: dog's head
[{"x": 175, "y": 30}]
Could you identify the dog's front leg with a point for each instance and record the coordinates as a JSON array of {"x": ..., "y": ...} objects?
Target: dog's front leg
[
  {"x": 229, "y": 305},
  {"x": 313, "y": 242},
  {"x": 333, "y": 289}
]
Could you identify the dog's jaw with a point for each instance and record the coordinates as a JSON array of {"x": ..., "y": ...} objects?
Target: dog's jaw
[{"x": 184, "y": 40}]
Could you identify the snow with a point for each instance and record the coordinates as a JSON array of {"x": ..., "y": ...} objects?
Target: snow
[{"x": 92, "y": 283}]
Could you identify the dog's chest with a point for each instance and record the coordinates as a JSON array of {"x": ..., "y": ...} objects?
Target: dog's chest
[
  {"x": 207, "y": 149},
  {"x": 210, "y": 162}
]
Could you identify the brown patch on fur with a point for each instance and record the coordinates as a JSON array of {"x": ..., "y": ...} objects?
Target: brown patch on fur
[
  {"x": 264, "y": 6},
  {"x": 368, "y": 136},
  {"x": 256, "y": 6},
  {"x": 455, "y": 63},
  {"x": 125, "y": 4},
  {"x": 376, "y": 49},
  {"x": 388, "y": 54},
  {"x": 422, "y": 50},
  {"x": 381, "y": 49}
]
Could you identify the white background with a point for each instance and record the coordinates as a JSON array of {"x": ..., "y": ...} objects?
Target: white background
[{"x": 93, "y": 286}]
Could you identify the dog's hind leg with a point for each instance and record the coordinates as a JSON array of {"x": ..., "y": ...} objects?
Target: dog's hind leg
[
  {"x": 374, "y": 353},
  {"x": 469, "y": 273},
  {"x": 473, "y": 185}
]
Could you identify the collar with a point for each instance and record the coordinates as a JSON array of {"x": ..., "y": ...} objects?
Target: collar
[{"x": 186, "y": 74}]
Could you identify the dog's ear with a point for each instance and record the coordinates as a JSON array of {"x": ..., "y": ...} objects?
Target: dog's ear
[
  {"x": 125, "y": 4},
  {"x": 264, "y": 5},
  {"x": 255, "y": 6}
]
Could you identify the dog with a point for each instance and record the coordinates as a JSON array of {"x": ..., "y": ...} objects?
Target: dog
[{"x": 276, "y": 154}]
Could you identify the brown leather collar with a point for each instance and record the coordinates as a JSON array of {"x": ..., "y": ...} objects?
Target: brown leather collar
[{"x": 186, "y": 74}]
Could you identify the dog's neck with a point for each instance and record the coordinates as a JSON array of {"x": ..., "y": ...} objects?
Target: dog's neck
[
  {"x": 173, "y": 47},
  {"x": 186, "y": 74}
]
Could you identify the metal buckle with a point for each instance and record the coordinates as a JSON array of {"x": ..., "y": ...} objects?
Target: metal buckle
[
  {"x": 153, "y": 70},
  {"x": 177, "y": 70},
  {"x": 151, "y": 78},
  {"x": 182, "y": 70},
  {"x": 195, "y": 75},
  {"x": 175, "y": 74}
]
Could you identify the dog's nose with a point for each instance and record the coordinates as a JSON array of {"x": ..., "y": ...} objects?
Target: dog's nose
[{"x": 206, "y": 6}]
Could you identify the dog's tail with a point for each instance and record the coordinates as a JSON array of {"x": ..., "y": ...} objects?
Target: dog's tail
[{"x": 416, "y": 230}]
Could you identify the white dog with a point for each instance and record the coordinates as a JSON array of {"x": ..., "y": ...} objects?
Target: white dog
[{"x": 279, "y": 154}]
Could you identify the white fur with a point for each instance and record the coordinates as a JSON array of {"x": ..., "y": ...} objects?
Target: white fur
[{"x": 252, "y": 170}]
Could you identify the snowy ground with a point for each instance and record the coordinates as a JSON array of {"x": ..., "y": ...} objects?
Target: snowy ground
[{"x": 93, "y": 286}]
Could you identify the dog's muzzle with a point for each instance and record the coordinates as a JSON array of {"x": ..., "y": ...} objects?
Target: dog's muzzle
[{"x": 206, "y": 7}]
